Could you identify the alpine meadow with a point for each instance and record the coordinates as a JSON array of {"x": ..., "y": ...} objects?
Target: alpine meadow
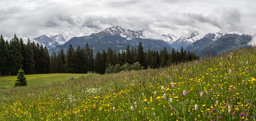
[
  {"x": 127, "y": 60},
  {"x": 220, "y": 88}
]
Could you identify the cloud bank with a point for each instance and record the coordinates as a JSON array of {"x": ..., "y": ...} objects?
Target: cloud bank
[{"x": 32, "y": 18}]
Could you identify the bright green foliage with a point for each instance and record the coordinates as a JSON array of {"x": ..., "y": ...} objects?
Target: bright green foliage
[{"x": 21, "y": 79}]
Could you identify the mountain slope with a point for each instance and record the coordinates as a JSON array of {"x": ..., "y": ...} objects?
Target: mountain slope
[
  {"x": 116, "y": 38},
  {"x": 205, "y": 41},
  {"x": 226, "y": 43},
  {"x": 185, "y": 41},
  {"x": 50, "y": 42}
]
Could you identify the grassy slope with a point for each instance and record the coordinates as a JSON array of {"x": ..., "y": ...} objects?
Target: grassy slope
[
  {"x": 7, "y": 82},
  {"x": 226, "y": 94}
]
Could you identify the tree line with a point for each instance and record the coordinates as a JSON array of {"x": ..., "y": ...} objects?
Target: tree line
[
  {"x": 15, "y": 54},
  {"x": 82, "y": 60},
  {"x": 34, "y": 58}
]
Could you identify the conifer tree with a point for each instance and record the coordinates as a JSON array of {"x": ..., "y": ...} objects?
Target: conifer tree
[
  {"x": 3, "y": 55},
  {"x": 70, "y": 59},
  {"x": 99, "y": 65},
  {"x": 28, "y": 55},
  {"x": 15, "y": 58},
  {"x": 128, "y": 55},
  {"x": 21, "y": 79},
  {"x": 140, "y": 55}
]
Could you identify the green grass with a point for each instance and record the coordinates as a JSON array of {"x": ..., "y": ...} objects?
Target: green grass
[
  {"x": 227, "y": 82},
  {"x": 7, "y": 82}
]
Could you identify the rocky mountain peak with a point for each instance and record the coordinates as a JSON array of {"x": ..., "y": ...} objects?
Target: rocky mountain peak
[{"x": 119, "y": 31}]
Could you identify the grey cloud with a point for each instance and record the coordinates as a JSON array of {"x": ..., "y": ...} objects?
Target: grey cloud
[
  {"x": 123, "y": 3},
  {"x": 233, "y": 19},
  {"x": 205, "y": 19},
  {"x": 36, "y": 17}
]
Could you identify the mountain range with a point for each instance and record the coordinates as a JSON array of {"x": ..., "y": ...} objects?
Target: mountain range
[
  {"x": 52, "y": 41},
  {"x": 118, "y": 38}
]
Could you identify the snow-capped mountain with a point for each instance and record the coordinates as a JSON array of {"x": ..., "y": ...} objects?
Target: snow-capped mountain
[
  {"x": 50, "y": 42},
  {"x": 192, "y": 38},
  {"x": 116, "y": 38},
  {"x": 216, "y": 35},
  {"x": 119, "y": 31},
  {"x": 59, "y": 38},
  {"x": 169, "y": 38},
  {"x": 185, "y": 41}
]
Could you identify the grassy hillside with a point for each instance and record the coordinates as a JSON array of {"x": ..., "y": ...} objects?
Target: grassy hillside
[
  {"x": 7, "y": 82},
  {"x": 223, "y": 88}
]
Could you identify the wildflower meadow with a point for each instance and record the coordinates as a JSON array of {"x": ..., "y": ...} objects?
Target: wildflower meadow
[{"x": 211, "y": 89}]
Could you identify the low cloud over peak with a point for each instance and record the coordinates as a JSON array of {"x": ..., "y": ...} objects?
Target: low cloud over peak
[{"x": 31, "y": 18}]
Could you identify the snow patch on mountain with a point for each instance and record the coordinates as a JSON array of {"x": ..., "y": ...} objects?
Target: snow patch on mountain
[
  {"x": 169, "y": 38},
  {"x": 126, "y": 33},
  {"x": 50, "y": 42},
  {"x": 216, "y": 35},
  {"x": 59, "y": 38},
  {"x": 191, "y": 39}
]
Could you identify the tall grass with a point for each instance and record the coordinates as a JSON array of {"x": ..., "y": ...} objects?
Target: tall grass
[{"x": 215, "y": 88}]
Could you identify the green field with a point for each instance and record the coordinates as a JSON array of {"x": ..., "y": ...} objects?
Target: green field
[
  {"x": 216, "y": 88},
  {"x": 7, "y": 82}
]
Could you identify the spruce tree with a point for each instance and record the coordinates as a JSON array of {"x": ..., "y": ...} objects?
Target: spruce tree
[
  {"x": 15, "y": 58},
  {"x": 3, "y": 55},
  {"x": 21, "y": 79},
  {"x": 70, "y": 59},
  {"x": 29, "y": 61},
  {"x": 128, "y": 55},
  {"x": 62, "y": 60},
  {"x": 99, "y": 65},
  {"x": 140, "y": 55}
]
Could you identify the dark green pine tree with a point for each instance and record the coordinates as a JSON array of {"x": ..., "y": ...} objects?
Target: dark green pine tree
[
  {"x": 89, "y": 58},
  {"x": 3, "y": 55},
  {"x": 173, "y": 56},
  {"x": 182, "y": 55},
  {"x": 140, "y": 55},
  {"x": 62, "y": 59},
  {"x": 53, "y": 63},
  {"x": 44, "y": 60},
  {"x": 123, "y": 56},
  {"x": 151, "y": 60},
  {"x": 99, "y": 65},
  {"x": 114, "y": 58},
  {"x": 163, "y": 62},
  {"x": 15, "y": 58},
  {"x": 110, "y": 57},
  {"x": 29, "y": 61},
  {"x": 70, "y": 59},
  {"x": 133, "y": 55},
  {"x": 164, "y": 57},
  {"x": 128, "y": 55},
  {"x": 59, "y": 64},
  {"x": 36, "y": 57},
  {"x": 21, "y": 79},
  {"x": 104, "y": 56},
  {"x": 119, "y": 60},
  {"x": 79, "y": 60}
]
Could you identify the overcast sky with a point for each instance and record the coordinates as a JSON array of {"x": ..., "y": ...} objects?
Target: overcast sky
[{"x": 32, "y": 18}]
